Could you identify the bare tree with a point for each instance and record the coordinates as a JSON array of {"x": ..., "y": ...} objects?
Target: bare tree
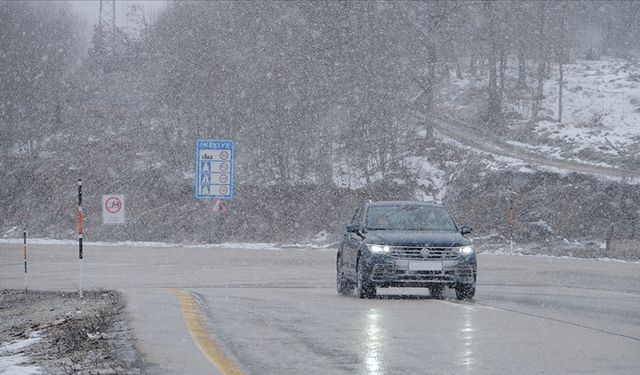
[
  {"x": 561, "y": 56},
  {"x": 540, "y": 36},
  {"x": 494, "y": 105}
]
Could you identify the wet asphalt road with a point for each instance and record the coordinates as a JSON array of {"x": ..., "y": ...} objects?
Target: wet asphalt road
[{"x": 277, "y": 312}]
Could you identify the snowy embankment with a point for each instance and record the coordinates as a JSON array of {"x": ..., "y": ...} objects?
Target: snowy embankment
[
  {"x": 46, "y": 332},
  {"x": 13, "y": 360},
  {"x": 486, "y": 246},
  {"x": 226, "y": 245},
  {"x": 557, "y": 249}
]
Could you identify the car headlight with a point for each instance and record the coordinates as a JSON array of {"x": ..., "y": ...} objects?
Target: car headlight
[
  {"x": 466, "y": 250},
  {"x": 379, "y": 248}
]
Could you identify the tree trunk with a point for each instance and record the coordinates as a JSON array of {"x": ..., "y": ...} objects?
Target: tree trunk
[
  {"x": 473, "y": 62},
  {"x": 458, "y": 69},
  {"x": 522, "y": 66},
  {"x": 431, "y": 81},
  {"x": 560, "y": 62},
  {"x": 503, "y": 67},
  {"x": 456, "y": 61},
  {"x": 493, "y": 109},
  {"x": 560, "y": 91},
  {"x": 539, "y": 93}
]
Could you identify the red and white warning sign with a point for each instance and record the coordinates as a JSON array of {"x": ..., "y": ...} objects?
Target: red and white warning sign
[
  {"x": 218, "y": 206},
  {"x": 113, "y": 211}
]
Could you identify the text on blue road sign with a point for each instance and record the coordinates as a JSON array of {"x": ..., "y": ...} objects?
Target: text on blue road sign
[{"x": 214, "y": 169}]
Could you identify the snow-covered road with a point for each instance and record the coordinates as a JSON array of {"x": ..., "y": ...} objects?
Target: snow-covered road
[{"x": 273, "y": 311}]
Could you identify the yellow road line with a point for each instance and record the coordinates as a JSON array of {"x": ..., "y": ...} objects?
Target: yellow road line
[{"x": 197, "y": 327}]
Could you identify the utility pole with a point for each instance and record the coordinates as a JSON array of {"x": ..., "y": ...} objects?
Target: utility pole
[
  {"x": 107, "y": 20},
  {"x": 106, "y": 25},
  {"x": 136, "y": 21}
]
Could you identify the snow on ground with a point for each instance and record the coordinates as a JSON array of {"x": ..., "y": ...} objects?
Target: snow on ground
[
  {"x": 487, "y": 246},
  {"x": 12, "y": 358},
  {"x": 499, "y": 162},
  {"x": 519, "y": 251},
  {"x": 601, "y": 110},
  {"x": 429, "y": 176},
  {"x": 317, "y": 245},
  {"x": 601, "y": 105}
]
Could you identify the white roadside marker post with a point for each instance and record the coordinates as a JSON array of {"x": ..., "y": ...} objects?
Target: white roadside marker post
[
  {"x": 24, "y": 249},
  {"x": 80, "y": 231}
]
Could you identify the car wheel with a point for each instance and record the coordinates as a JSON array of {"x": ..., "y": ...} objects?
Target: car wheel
[
  {"x": 436, "y": 291},
  {"x": 465, "y": 291},
  {"x": 364, "y": 289},
  {"x": 344, "y": 286}
]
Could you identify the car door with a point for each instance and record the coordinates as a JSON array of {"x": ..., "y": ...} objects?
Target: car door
[{"x": 351, "y": 245}]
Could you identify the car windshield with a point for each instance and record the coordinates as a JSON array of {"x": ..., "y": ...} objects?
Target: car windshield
[{"x": 408, "y": 217}]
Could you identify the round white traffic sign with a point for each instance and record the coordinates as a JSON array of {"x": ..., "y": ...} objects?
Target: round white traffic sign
[
  {"x": 113, "y": 205},
  {"x": 113, "y": 209}
]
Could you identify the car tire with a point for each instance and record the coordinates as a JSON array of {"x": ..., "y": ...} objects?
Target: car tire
[
  {"x": 465, "y": 291},
  {"x": 437, "y": 291},
  {"x": 364, "y": 289},
  {"x": 343, "y": 285}
]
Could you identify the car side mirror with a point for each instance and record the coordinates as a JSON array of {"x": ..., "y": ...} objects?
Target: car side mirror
[
  {"x": 465, "y": 230},
  {"x": 352, "y": 228}
]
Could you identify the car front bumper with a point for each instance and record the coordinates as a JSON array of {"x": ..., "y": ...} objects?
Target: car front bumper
[{"x": 407, "y": 273}]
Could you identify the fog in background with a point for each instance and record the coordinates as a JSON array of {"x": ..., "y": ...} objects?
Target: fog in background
[{"x": 330, "y": 104}]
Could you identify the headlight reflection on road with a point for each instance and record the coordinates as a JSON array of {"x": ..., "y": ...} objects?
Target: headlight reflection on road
[
  {"x": 374, "y": 341},
  {"x": 467, "y": 333}
]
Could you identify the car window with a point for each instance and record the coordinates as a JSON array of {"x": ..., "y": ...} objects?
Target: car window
[{"x": 409, "y": 218}]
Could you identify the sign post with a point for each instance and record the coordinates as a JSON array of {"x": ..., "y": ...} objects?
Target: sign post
[{"x": 214, "y": 177}]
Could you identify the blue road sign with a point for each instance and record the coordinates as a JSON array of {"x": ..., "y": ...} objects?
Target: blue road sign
[{"x": 214, "y": 169}]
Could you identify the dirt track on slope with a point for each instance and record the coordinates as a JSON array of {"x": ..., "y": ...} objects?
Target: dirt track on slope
[{"x": 477, "y": 139}]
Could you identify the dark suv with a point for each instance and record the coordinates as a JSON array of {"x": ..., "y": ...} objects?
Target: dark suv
[{"x": 405, "y": 244}]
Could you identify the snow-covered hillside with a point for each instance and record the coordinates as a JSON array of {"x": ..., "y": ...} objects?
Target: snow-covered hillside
[
  {"x": 601, "y": 111},
  {"x": 600, "y": 117}
]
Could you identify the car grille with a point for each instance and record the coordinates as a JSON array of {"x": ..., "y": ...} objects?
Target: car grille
[
  {"x": 433, "y": 253},
  {"x": 400, "y": 277}
]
